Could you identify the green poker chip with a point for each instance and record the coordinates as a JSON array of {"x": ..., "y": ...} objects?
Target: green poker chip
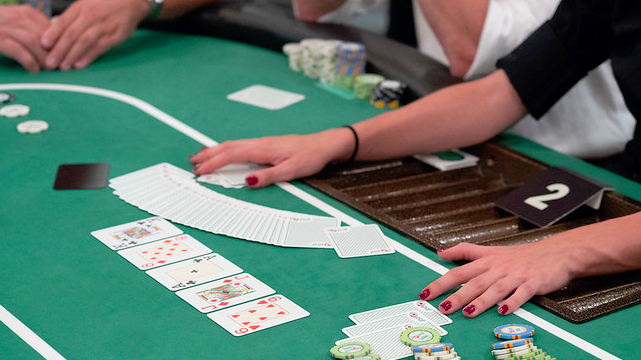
[
  {"x": 420, "y": 335},
  {"x": 369, "y": 357},
  {"x": 350, "y": 350},
  {"x": 449, "y": 155}
]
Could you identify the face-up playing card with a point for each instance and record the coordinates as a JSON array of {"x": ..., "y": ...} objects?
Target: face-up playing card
[
  {"x": 266, "y": 97},
  {"x": 258, "y": 315},
  {"x": 194, "y": 271},
  {"x": 164, "y": 252},
  {"x": 225, "y": 292},
  {"x": 136, "y": 233},
  {"x": 371, "y": 315},
  {"x": 354, "y": 241},
  {"x": 386, "y": 343},
  {"x": 410, "y": 319}
]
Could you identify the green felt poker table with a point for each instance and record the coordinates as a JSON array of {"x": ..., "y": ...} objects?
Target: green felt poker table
[{"x": 159, "y": 97}]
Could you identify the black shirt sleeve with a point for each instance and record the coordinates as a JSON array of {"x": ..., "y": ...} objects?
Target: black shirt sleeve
[{"x": 561, "y": 52}]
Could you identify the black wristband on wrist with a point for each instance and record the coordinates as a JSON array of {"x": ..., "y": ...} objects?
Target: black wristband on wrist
[{"x": 351, "y": 158}]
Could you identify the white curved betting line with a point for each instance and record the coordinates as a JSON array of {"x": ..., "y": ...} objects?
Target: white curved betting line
[{"x": 41, "y": 346}]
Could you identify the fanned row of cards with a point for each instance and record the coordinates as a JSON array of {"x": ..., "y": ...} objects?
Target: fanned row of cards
[
  {"x": 381, "y": 328},
  {"x": 236, "y": 301},
  {"x": 173, "y": 193}
]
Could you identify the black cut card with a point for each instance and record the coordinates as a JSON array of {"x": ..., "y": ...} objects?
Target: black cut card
[{"x": 82, "y": 176}]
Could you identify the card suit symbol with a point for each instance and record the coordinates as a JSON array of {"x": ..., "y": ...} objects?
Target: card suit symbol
[
  {"x": 167, "y": 241},
  {"x": 281, "y": 313},
  {"x": 227, "y": 281},
  {"x": 224, "y": 303},
  {"x": 270, "y": 305},
  {"x": 161, "y": 261},
  {"x": 235, "y": 316},
  {"x": 254, "y": 327},
  {"x": 185, "y": 250},
  {"x": 263, "y": 318},
  {"x": 252, "y": 311},
  {"x": 246, "y": 322},
  {"x": 145, "y": 252},
  {"x": 262, "y": 302}
]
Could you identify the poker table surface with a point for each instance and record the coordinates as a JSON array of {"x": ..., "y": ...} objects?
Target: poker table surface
[{"x": 159, "y": 97}]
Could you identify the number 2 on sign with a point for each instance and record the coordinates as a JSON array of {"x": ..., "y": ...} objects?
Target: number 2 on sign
[{"x": 557, "y": 191}]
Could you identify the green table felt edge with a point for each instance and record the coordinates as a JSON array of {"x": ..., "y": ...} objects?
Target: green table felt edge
[{"x": 304, "y": 193}]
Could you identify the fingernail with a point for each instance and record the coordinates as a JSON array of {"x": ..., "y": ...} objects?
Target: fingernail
[
  {"x": 424, "y": 294},
  {"x": 503, "y": 309},
  {"x": 439, "y": 251},
  {"x": 196, "y": 167},
  {"x": 446, "y": 305},
  {"x": 251, "y": 180},
  {"x": 191, "y": 157},
  {"x": 470, "y": 309}
]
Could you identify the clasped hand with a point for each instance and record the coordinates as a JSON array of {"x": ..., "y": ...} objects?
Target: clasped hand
[{"x": 74, "y": 39}]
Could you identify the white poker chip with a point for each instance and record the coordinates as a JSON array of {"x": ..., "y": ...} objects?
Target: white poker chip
[
  {"x": 32, "y": 126},
  {"x": 14, "y": 110}
]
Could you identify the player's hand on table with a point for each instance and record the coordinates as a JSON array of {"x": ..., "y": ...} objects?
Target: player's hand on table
[
  {"x": 89, "y": 28},
  {"x": 293, "y": 156},
  {"x": 514, "y": 273},
  {"x": 21, "y": 27}
]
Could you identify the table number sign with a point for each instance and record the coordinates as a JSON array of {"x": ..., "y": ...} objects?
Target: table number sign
[{"x": 552, "y": 195}]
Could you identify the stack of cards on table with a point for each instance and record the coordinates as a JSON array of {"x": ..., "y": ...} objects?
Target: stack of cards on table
[
  {"x": 241, "y": 304},
  {"x": 449, "y": 160},
  {"x": 172, "y": 193},
  {"x": 382, "y": 328}
]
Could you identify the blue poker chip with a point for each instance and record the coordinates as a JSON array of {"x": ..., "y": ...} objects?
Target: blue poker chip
[
  {"x": 513, "y": 331},
  {"x": 511, "y": 343},
  {"x": 431, "y": 348}
]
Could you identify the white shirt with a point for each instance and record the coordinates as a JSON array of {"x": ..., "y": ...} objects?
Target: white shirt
[{"x": 590, "y": 121}]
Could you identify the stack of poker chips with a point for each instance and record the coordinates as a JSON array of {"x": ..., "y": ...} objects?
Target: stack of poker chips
[
  {"x": 353, "y": 350},
  {"x": 314, "y": 57},
  {"x": 294, "y": 54},
  {"x": 350, "y": 62},
  {"x": 364, "y": 85},
  {"x": 519, "y": 344},
  {"x": 435, "y": 351},
  {"x": 387, "y": 94}
]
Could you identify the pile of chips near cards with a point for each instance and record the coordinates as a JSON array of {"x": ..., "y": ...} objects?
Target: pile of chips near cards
[
  {"x": 387, "y": 94},
  {"x": 519, "y": 344},
  {"x": 434, "y": 351},
  {"x": 236, "y": 301},
  {"x": 12, "y": 111},
  {"x": 388, "y": 330},
  {"x": 314, "y": 57},
  {"x": 173, "y": 193}
]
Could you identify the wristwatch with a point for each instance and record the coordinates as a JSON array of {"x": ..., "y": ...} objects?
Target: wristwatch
[{"x": 155, "y": 6}]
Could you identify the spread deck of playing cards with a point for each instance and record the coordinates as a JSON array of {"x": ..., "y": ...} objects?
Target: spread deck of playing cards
[{"x": 173, "y": 193}]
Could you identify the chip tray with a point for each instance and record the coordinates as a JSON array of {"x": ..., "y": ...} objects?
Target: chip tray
[{"x": 440, "y": 209}]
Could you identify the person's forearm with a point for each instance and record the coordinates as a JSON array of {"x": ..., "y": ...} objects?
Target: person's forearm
[
  {"x": 311, "y": 10},
  {"x": 603, "y": 248},
  {"x": 456, "y": 116},
  {"x": 458, "y": 26}
]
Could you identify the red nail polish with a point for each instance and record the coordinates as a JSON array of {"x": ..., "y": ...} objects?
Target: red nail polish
[
  {"x": 470, "y": 309},
  {"x": 251, "y": 180},
  {"x": 424, "y": 294},
  {"x": 446, "y": 305},
  {"x": 503, "y": 309}
]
